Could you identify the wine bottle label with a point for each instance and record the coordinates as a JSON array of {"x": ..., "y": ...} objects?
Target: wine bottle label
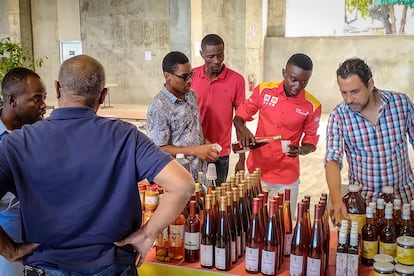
[
  {"x": 233, "y": 251},
  {"x": 360, "y": 218},
  {"x": 268, "y": 266},
  {"x": 352, "y": 267},
  {"x": 162, "y": 237},
  {"x": 238, "y": 245},
  {"x": 314, "y": 266},
  {"x": 405, "y": 255},
  {"x": 296, "y": 265},
  {"x": 288, "y": 242},
  {"x": 388, "y": 248},
  {"x": 220, "y": 257},
  {"x": 192, "y": 240},
  {"x": 206, "y": 255},
  {"x": 369, "y": 249},
  {"x": 176, "y": 235},
  {"x": 252, "y": 259},
  {"x": 341, "y": 263}
]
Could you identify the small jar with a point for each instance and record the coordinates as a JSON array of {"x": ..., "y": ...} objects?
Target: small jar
[
  {"x": 404, "y": 270},
  {"x": 383, "y": 269},
  {"x": 151, "y": 196},
  {"x": 383, "y": 258},
  {"x": 405, "y": 250}
]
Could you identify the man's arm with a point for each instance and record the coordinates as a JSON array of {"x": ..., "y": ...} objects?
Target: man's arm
[
  {"x": 333, "y": 178},
  {"x": 204, "y": 152},
  {"x": 178, "y": 187}
]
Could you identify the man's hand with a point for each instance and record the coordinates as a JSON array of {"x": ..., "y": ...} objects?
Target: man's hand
[
  {"x": 338, "y": 212},
  {"x": 207, "y": 152},
  {"x": 13, "y": 251},
  {"x": 140, "y": 242},
  {"x": 240, "y": 164}
]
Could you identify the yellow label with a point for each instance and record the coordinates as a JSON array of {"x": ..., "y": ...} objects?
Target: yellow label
[
  {"x": 388, "y": 248},
  {"x": 405, "y": 256},
  {"x": 360, "y": 218},
  {"x": 369, "y": 249},
  {"x": 382, "y": 274}
]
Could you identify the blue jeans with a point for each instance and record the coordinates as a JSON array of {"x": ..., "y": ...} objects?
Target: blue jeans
[
  {"x": 11, "y": 223},
  {"x": 111, "y": 270},
  {"x": 222, "y": 168}
]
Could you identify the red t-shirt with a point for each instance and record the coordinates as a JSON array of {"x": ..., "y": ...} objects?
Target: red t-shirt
[
  {"x": 295, "y": 118},
  {"x": 216, "y": 100}
]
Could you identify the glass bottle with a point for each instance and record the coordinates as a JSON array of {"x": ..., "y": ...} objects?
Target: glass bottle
[
  {"x": 406, "y": 227},
  {"x": 254, "y": 241},
  {"x": 380, "y": 215},
  {"x": 388, "y": 235},
  {"x": 192, "y": 236},
  {"x": 176, "y": 238},
  {"x": 353, "y": 253},
  {"x": 222, "y": 248},
  {"x": 270, "y": 251},
  {"x": 183, "y": 161},
  {"x": 211, "y": 177},
  {"x": 280, "y": 231},
  {"x": 241, "y": 233},
  {"x": 306, "y": 219},
  {"x": 316, "y": 253},
  {"x": 214, "y": 210},
  {"x": 342, "y": 250},
  {"x": 396, "y": 214},
  {"x": 244, "y": 215},
  {"x": 298, "y": 251},
  {"x": 387, "y": 194},
  {"x": 355, "y": 205},
  {"x": 207, "y": 237},
  {"x": 263, "y": 211},
  {"x": 257, "y": 143},
  {"x": 202, "y": 182},
  {"x": 287, "y": 220},
  {"x": 412, "y": 211},
  {"x": 234, "y": 232},
  {"x": 369, "y": 239},
  {"x": 326, "y": 231}
]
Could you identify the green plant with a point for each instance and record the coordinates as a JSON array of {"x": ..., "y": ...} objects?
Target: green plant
[{"x": 12, "y": 55}]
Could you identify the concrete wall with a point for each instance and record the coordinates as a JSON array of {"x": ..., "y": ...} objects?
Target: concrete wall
[{"x": 390, "y": 58}]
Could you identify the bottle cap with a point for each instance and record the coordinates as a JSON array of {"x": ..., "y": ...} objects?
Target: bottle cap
[
  {"x": 373, "y": 205},
  {"x": 383, "y": 258},
  {"x": 211, "y": 172},
  {"x": 404, "y": 269},
  {"x": 384, "y": 267},
  {"x": 388, "y": 190},
  {"x": 179, "y": 155},
  {"x": 380, "y": 203},
  {"x": 397, "y": 203},
  {"x": 369, "y": 212}
]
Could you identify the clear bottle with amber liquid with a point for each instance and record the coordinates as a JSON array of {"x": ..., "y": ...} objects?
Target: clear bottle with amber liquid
[
  {"x": 254, "y": 241},
  {"x": 406, "y": 227},
  {"x": 257, "y": 143},
  {"x": 355, "y": 205},
  {"x": 380, "y": 215},
  {"x": 192, "y": 235},
  {"x": 222, "y": 248},
  {"x": 388, "y": 235},
  {"x": 287, "y": 220},
  {"x": 299, "y": 248},
  {"x": 207, "y": 236},
  {"x": 176, "y": 238},
  {"x": 369, "y": 239},
  {"x": 270, "y": 250},
  {"x": 396, "y": 213}
]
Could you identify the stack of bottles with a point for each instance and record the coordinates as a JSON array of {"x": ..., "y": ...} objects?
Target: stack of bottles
[{"x": 309, "y": 251}]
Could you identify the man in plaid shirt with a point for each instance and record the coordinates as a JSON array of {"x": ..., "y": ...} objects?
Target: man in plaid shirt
[{"x": 372, "y": 127}]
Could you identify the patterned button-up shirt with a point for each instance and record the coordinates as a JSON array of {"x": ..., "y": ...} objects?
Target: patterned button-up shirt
[
  {"x": 377, "y": 154},
  {"x": 172, "y": 121}
]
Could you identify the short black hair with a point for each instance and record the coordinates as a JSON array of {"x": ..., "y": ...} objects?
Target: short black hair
[
  {"x": 355, "y": 66},
  {"x": 211, "y": 39},
  {"x": 13, "y": 78},
  {"x": 172, "y": 60},
  {"x": 301, "y": 60}
]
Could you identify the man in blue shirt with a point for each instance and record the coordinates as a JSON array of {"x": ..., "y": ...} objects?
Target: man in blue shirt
[
  {"x": 24, "y": 96},
  {"x": 76, "y": 173}
]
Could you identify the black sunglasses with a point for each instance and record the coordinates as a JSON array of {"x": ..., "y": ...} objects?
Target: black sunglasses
[{"x": 185, "y": 77}]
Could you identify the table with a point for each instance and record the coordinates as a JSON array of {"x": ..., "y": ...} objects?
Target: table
[
  {"x": 180, "y": 268},
  {"x": 107, "y": 86}
]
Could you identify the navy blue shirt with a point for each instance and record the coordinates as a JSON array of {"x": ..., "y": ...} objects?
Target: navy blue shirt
[{"x": 76, "y": 175}]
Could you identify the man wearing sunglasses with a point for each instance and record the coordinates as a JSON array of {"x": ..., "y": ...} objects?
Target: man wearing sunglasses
[{"x": 174, "y": 118}]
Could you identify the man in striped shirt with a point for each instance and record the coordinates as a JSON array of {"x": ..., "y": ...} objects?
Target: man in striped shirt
[{"x": 372, "y": 127}]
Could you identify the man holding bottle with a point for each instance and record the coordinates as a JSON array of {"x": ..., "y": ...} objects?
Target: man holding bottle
[
  {"x": 173, "y": 118},
  {"x": 220, "y": 90},
  {"x": 286, "y": 109}
]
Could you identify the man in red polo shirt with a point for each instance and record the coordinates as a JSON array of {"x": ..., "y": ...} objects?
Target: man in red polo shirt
[
  {"x": 220, "y": 90},
  {"x": 286, "y": 109}
]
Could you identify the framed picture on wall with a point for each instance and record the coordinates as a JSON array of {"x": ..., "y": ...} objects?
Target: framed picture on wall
[{"x": 70, "y": 48}]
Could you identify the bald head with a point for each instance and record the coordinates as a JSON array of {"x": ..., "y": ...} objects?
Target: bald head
[{"x": 82, "y": 77}]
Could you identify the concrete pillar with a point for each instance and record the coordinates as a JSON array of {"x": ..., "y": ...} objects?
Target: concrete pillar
[
  {"x": 180, "y": 26},
  {"x": 276, "y": 16}
]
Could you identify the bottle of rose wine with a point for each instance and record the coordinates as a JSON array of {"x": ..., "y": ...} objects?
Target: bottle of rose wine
[
  {"x": 287, "y": 220},
  {"x": 241, "y": 233},
  {"x": 234, "y": 232},
  {"x": 270, "y": 251},
  {"x": 257, "y": 143},
  {"x": 298, "y": 251},
  {"x": 244, "y": 216},
  {"x": 280, "y": 231},
  {"x": 254, "y": 241},
  {"x": 222, "y": 248},
  {"x": 316, "y": 253},
  {"x": 192, "y": 236},
  {"x": 207, "y": 237}
]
